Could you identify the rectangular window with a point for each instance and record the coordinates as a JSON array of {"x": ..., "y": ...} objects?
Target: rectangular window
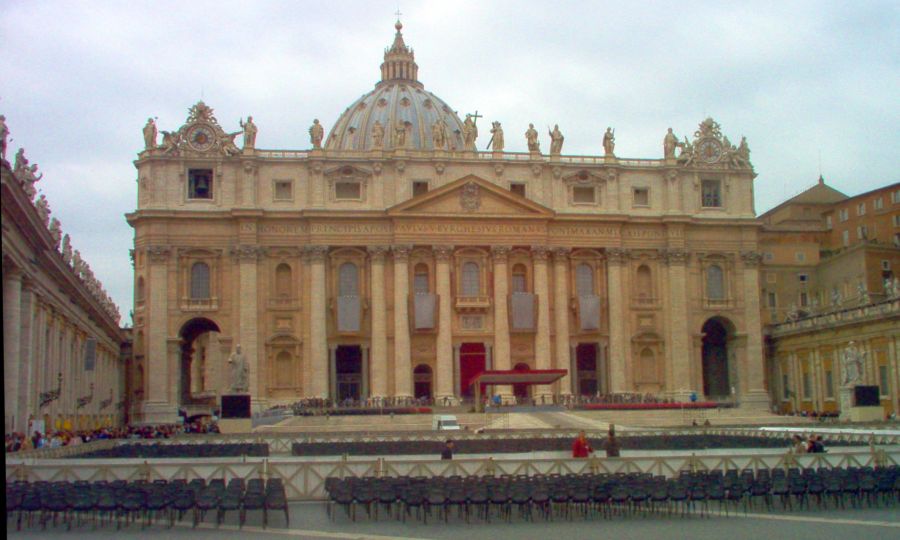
[
  {"x": 829, "y": 384},
  {"x": 518, "y": 188},
  {"x": 284, "y": 190},
  {"x": 641, "y": 196},
  {"x": 862, "y": 232},
  {"x": 897, "y": 239},
  {"x": 711, "y": 192},
  {"x": 884, "y": 383},
  {"x": 879, "y": 203},
  {"x": 843, "y": 215},
  {"x": 347, "y": 191},
  {"x": 420, "y": 187},
  {"x": 895, "y": 197},
  {"x": 200, "y": 184},
  {"x": 804, "y": 299},
  {"x": 803, "y": 278},
  {"x": 807, "y": 386},
  {"x": 827, "y": 222},
  {"x": 896, "y": 219},
  {"x": 845, "y": 238},
  {"x": 584, "y": 194},
  {"x": 861, "y": 209},
  {"x": 773, "y": 300}
]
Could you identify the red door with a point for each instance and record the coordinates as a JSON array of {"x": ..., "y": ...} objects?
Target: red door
[{"x": 471, "y": 363}]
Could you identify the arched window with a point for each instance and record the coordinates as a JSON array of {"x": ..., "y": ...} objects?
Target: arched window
[
  {"x": 471, "y": 279},
  {"x": 284, "y": 369},
  {"x": 283, "y": 281},
  {"x": 348, "y": 280},
  {"x": 715, "y": 283},
  {"x": 584, "y": 279},
  {"x": 519, "y": 279},
  {"x": 420, "y": 278},
  {"x": 139, "y": 293},
  {"x": 644, "y": 285},
  {"x": 200, "y": 281},
  {"x": 648, "y": 366}
]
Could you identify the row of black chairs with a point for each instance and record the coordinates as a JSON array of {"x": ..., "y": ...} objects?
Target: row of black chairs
[
  {"x": 101, "y": 503},
  {"x": 199, "y": 450},
  {"x": 608, "y": 495}
]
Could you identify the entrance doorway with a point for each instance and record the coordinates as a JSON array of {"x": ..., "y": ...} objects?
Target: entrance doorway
[
  {"x": 586, "y": 367},
  {"x": 521, "y": 391},
  {"x": 471, "y": 362},
  {"x": 348, "y": 368},
  {"x": 422, "y": 381},
  {"x": 715, "y": 358},
  {"x": 199, "y": 345}
]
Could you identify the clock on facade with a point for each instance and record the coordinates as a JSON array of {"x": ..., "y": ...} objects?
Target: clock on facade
[
  {"x": 709, "y": 150},
  {"x": 201, "y": 138}
]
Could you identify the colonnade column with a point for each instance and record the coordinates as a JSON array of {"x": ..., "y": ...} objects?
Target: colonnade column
[
  {"x": 444, "y": 385},
  {"x": 756, "y": 397},
  {"x": 618, "y": 348},
  {"x": 158, "y": 407},
  {"x": 679, "y": 337},
  {"x": 402, "y": 366},
  {"x": 561, "y": 316},
  {"x": 378, "y": 358},
  {"x": 542, "y": 336},
  {"x": 318, "y": 349},
  {"x": 12, "y": 324},
  {"x": 26, "y": 350},
  {"x": 501, "y": 317}
]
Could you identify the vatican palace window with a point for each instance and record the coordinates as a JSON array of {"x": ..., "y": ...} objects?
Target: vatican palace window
[
  {"x": 584, "y": 195},
  {"x": 284, "y": 190},
  {"x": 711, "y": 193},
  {"x": 584, "y": 280},
  {"x": 641, "y": 196},
  {"x": 715, "y": 283},
  {"x": 518, "y": 188},
  {"x": 419, "y": 187},
  {"x": 200, "y": 184},
  {"x": 200, "y": 281},
  {"x": 347, "y": 191},
  {"x": 471, "y": 279}
]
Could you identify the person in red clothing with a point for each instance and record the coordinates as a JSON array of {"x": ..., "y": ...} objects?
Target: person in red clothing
[{"x": 581, "y": 447}]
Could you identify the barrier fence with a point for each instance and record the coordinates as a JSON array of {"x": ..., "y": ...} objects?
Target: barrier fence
[{"x": 305, "y": 480}]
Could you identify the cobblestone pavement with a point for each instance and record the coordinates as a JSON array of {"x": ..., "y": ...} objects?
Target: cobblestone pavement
[{"x": 309, "y": 521}]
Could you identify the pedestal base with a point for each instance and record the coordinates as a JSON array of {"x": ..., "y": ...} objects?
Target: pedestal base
[
  {"x": 155, "y": 412},
  {"x": 756, "y": 400},
  {"x": 865, "y": 414},
  {"x": 235, "y": 425}
]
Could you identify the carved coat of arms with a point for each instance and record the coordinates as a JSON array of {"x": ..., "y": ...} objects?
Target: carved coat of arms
[{"x": 469, "y": 198}]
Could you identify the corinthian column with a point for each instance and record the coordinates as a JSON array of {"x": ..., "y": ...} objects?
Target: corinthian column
[
  {"x": 501, "y": 317},
  {"x": 542, "y": 337},
  {"x": 318, "y": 349},
  {"x": 561, "y": 317},
  {"x": 248, "y": 313},
  {"x": 619, "y": 346},
  {"x": 402, "y": 367},
  {"x": 12, "y": 324},
  {"x": 677, "y": 316},
  {"x": 159, "y": 407},
  {"x": 378, "y": 358},
  {"x": 445, "y": 325},
  {"x": 756, "y": 396}
]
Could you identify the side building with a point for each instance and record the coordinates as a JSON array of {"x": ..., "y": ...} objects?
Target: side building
[
  {"x": 62, "y": 361},
  {"x": 830, "y": 294}
]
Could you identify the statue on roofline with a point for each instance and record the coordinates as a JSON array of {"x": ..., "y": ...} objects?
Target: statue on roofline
[
  {"x": 496, "y": 143},
  {"x": 150, "y": 134},
  {"x": 316, "y": 134},
  {"x": 556, "y": 141},
  {"x": 250, "y": 131},
  {"x": 609, "y": 142},
  {"x": 531, "y": 137}
]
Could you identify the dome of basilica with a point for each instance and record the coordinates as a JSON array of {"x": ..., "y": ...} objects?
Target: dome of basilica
[{"x": 398, "y": 113}]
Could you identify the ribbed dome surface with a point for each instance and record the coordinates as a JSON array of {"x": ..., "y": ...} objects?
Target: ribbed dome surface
[{"x": 399, "y": 103}]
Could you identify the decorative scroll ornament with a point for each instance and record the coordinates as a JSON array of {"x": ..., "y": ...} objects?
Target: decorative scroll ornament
[
  {"x": 711, "y": 148},
  {"x": 200, "y": 134},
  {"x": 247, "y": 252},
  {"x": 469, "y": 197}
]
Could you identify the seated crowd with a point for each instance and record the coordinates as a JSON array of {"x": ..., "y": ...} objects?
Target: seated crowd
[{"x": 16, "y": 442}]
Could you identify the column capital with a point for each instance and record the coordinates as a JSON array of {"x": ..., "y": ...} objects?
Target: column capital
[
  {"x": 377, "y": 253},
  {"x": 159, "y": 254},
  {"x": 616, "y": 255},
  {"x": 751, "y": 258},
  {"x": 560, "y": 254},
  {"x": 247, "y": 252},
  {"x": 315, "y": 253},
  {"x": 540, "y": 253},
  {"x": 442, "y": 253},
  {"x": 500, "y": 253},
  {"x": 675, "y": 256},
  {"x": 401, "y": 251}
]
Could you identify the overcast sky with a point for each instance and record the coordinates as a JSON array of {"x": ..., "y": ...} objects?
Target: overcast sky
[{"x": 805, "y": 82}]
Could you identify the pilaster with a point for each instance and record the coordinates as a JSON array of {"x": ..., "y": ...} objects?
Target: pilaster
[
  {"x": 757, "y": 397},
  {"x": 158, "y": 406},
  {"x": 318, "y": 383},
  {"x": 501, "y": 317},
  {"x": 619, "y": 343},
  {"x": 561, "y": 316},
  {"x": 542, "y": 352},
  {"x": 248, "y": 313},
  {"x": 402, "y": 366},
  {"x": 679, "y": 338},
  {"x": 378, "y": 357},
  {"x": 444, "y": 383},
  {"x": 12, "y": 325}
]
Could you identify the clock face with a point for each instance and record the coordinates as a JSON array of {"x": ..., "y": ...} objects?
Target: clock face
[
  {"x": 201, "y": 138},
  {"x": 710, "y": 150}
]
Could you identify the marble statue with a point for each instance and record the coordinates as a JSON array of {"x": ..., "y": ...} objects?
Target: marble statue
[
  {"x": 4, "y": 133},
  {"x": 687, "y": 152},
  {"x": 239, "y": 371},
  {"x": 55, "y": 232},
  {"x": 531, "y": 137},
  {"x": 888, "y": 287},
  {"x": 316, "y": 134},
  {"x": 228, "y": 145},
  {"x": 43, "y": 209},
  {"x": 67, "y": 249},
  {"x": 20, "y": 163},
  {"x": 378, "y": 135},
  {"x": 670, "y": 142},
  {"x": 400, "y": 134},
  {"x": 170, "y": 141},
  {"x": 439, "y": 134},
  {"x": 556, "y": 141},
  {"x": 835, "y": 297},
  {"x": 150, "y": 134},
  {"x": 609, "y": 142},
  {"x": 29, "y": 178},
  {"x": 852, "y": 361},
  {"x": 77, "y": 263},
  {"x": 470, "y": 133},
  {"x": 249, "y": 132},
  {"x": 497, "y": 142}
]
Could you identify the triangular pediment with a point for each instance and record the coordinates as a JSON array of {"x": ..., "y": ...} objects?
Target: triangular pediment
[{"x": 471, "y": 196}]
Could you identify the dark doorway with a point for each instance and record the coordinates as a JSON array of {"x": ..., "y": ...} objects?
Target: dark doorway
[
  {"x": 586, "y": 366},
  {"x": 422, "y": 381},
  {"x": 348, "y": 367},
  {"x": 521, "y": 391},
  {"x": 471, "y": 363},
  {"x": 715, "y": 359},
  {"x": 194, "y": 341}
]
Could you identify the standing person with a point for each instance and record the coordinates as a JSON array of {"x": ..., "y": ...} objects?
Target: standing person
[
  {"x": 447, "y": 452},
  {"x": 799, "y": 445},
  {"x": 612, "y": 444},
  {"x": 581, "y": 448}
]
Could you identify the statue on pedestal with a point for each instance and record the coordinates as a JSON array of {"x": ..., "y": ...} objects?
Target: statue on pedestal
[
  {"x": 852, "y": 364},
  {"x": 67, "y": 249},
  {"x": 400, "y": 134},
  {"x": 239, "y": 372},
  {"x": 377, "y": 136},
  {"x": 531, "y": 136},
  {"x": 496, "y": 143},
  {"x": 470, "y": 133},
  {"x": 439, "y": 134},
  {"x": 556, "y": 141},
  {"x": 670, "y": 142},
  {"x": 150, "y": 134},
  {"x": 249, "y": 132},
  {"x": 316, "y": 134},
  {"x": 55, "y": 232},
  {"x": 609, "y": 142},
  {"x": 43, "y": 209}
]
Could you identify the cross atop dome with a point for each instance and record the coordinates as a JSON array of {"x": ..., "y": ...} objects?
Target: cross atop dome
[{"x": 399, "y": 60}]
